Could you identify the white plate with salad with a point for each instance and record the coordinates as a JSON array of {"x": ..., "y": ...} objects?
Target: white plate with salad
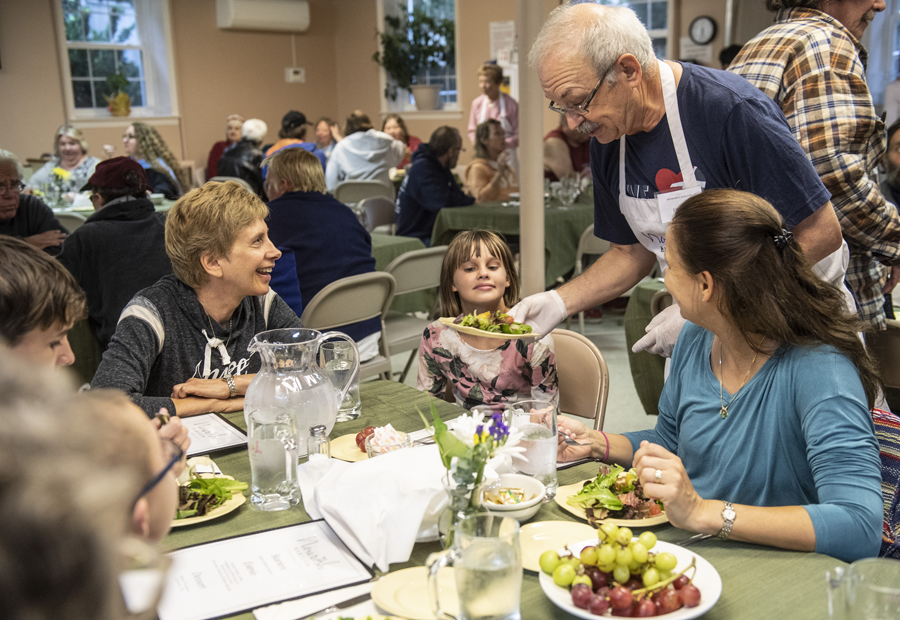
[
  {"x": 607, "y": 496},
  {"x": 206, "y": 479},
  {"x": 490, "y": 325}
]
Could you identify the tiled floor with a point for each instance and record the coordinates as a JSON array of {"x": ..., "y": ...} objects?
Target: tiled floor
[{"x": 623, "y": 410}]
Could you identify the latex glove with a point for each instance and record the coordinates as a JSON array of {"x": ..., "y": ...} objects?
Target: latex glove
[
  {"x": 662, "y": 332},
  {"x": 543, "y": 311},
  {"x": 892, "y": 280}
]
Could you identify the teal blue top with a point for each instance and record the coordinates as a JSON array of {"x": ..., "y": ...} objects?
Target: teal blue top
[{"x": 799, "y": 433}]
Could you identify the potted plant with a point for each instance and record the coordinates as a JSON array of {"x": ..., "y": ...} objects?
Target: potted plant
[
  {"x": 412, "y": 43},
  {"x": 120, "y": 101}
]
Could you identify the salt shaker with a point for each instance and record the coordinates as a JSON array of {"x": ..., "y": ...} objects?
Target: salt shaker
[{"x": 318, "y": 443}]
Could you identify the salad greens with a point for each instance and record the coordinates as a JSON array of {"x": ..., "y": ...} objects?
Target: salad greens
[
  {"x": 614, "y": 493},
  {"x": 200, "y": 495},
  {"x": 494, "y": 322}
]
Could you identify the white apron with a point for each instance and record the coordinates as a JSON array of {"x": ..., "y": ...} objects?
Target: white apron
[{"x": 507, "y": 129}]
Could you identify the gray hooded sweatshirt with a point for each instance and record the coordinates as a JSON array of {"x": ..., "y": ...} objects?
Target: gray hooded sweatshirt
[{"x": 364, "y": 155}]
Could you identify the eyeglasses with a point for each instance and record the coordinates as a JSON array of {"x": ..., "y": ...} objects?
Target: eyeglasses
[
  {"x": 582, "y": 109},
  {"x": 171, "y": 451},
  {"x": 11, "y": 187},
  {"x": 128, "y": 136}
]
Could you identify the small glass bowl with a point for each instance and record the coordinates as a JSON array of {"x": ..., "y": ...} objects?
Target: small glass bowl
[{"x": 378, "y": 450}]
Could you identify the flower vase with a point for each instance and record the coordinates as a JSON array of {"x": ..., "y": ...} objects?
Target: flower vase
[{"x": 463, "y": 502}]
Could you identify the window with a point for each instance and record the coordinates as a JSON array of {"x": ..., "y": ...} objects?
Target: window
[
  {"x": 445, "y": 76},
  {"x": 101, "y": 38},
  {"x": 654, "y": 14}
]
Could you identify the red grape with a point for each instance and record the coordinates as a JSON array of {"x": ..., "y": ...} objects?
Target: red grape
[
  {"x": 680, "y": 582},
  {"x": 598, "y": 577},
  {"x": 581, "y": 595},
  {"x": 628, "y": 612},
  {"x": 690, "y": 595},
  {"x": 361, "y": 441},
  {"x": 369, "y": 430},
  {"x": 634, "y": 584},
  {"x": 645, "y": 609},
  {"x": 602, "y": 591},
  {"x": 668, "y": 601},
  {"x": 620, "y": 598},
  {"x": 598, "y": 605}
]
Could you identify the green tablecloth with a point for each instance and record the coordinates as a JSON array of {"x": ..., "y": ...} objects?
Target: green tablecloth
[
  {"x": 757, "y": 582},
  {"x": 562, "y": 230},
  {"x": 386, "y": 248},
  {"x": 647, "y": 369}
]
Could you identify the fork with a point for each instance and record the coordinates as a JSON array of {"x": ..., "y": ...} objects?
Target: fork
[{"x": 571, "y": 441}]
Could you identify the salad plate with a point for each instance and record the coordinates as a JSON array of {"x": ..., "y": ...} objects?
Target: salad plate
[
  {"x": 535, "y": 538},
  {"x": 565, "y": 492},
  {"x": 237, "y": 499},
  {"x": 345, "y": 449},
  {"x": 706, "y": 579},
  {"x": 474, "y": 331},
  {"x": 404, "y": 593}
]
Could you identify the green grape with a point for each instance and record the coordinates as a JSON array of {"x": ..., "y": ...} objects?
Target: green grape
[
  {"x": 563, "y": 575},
  {"x": 623, "y": 536},
  {"x": 666, "y": 561},
  {"x": 583, "y": 579},
  {"x": 548, "y": 561},
  {"x": 648, "y": 539},
  {"x": 621, "y": 574},
  {"x": 651, "y": 577},
  {"x": 635, "y": 566},
  {"x": 665, "y": 574},
  {"x": 607, "y": 568},
  {"x": 607, "y": 532},
  {"x": 624, "y": 557},
  {"x": 639, "y": 552},
  {"x": 606, "y": 555},
  {"x": 589, "y": 556}
]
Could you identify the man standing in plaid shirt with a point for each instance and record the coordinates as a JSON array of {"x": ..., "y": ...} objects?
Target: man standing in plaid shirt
[{"x": 811, "y": 63}]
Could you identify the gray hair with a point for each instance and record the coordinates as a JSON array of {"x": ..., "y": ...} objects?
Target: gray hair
[
  {"x": 254, "y": 129},
  {"x": 599, "y": 34},
  {"x": 11, "y": 158}
]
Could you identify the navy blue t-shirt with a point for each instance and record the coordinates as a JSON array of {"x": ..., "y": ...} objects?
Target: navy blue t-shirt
[{"x": 737, "y": 139}]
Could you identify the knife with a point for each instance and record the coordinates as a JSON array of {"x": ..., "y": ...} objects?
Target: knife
[{"x": 337, "y": 607}]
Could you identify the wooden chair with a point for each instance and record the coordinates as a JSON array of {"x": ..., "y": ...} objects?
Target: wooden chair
[
  {"x": 379, "y": 211},
  {"x": 413, "y": 271},
  {"x": 583, "y": 376},
  {"x": 350, "y": 300},
  {"x": 71, "y": 221},
  {"x": 352, "y": 192}
]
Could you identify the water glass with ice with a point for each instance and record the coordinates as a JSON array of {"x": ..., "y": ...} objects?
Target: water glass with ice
[
  {"x": 338, "y": 361},
  {"x": 536, "y": 420},
  {"x": 487, "y": 564},
  {"x": 272, "y": 444}
]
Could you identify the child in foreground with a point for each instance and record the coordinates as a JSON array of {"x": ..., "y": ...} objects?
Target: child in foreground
[{"x": 479, "y": 275}]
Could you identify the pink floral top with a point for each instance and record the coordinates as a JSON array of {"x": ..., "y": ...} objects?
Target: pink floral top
[{"x": 513, "y": 371}]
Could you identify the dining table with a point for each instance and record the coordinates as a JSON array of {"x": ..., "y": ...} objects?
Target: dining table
[
  {"x": 563, "y": 227},
  {"x": 757, "y": 582}
]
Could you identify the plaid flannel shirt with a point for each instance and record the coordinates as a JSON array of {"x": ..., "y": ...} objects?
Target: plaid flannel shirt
[{"x": 812, "y": 66}]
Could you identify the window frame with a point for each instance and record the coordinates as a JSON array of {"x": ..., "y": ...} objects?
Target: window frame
[
  {"x": 401, "y": 105},
  {"x": 154, "y": 27}
]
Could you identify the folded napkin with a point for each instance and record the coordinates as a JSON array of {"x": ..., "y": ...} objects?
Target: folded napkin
[
  {"x": 291, "y": 610},
  {"x": 381, "y": 506}
]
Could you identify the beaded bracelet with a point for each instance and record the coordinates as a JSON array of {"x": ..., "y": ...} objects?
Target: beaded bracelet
[{"x": 606, "y": 456}]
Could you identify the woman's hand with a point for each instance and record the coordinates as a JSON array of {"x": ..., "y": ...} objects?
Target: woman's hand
[
  {"x": 503, "y": 159},
  {"x": 684, "y": 507},
  {"x": 336, "y": 132},
  {"x": 577, "y": 431},
  {"x": 204, "y": 388},
  {"x": 108, "y": 151}
]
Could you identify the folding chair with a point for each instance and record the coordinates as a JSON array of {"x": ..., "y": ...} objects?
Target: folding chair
[
  {"x": 379, "y": 211},
  {"x": 351, "y": 192},
  {"x": 71, "y": 221},
  {"x": 588, "y": 245},
  {"x": 582, "y": 375}
]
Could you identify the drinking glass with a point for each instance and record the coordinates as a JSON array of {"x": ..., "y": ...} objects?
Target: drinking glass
[
  {"x": 272, "y": 445},
  {"x": 337, "y": 363},
  {"x": 536, "y": 420},
  {"x": 487, "y": 564},
  {"x": 868, "y": 589}
]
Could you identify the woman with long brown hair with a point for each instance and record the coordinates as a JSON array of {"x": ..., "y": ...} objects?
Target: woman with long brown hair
[
  {"x": 143, "y": 144},
  {"x": 767, "y": 405}
]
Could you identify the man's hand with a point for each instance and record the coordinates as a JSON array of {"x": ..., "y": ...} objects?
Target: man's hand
[
  {"x": 108, "y": 151},
  {"x": 178, "y": 433},
  {"x": 336, "y": 132},
  {"x": 543, "y": 311},
  {"x": 662, "y": 332},
  {"x": 892, "y": 280},
  {"x": 46, "y": 239}
]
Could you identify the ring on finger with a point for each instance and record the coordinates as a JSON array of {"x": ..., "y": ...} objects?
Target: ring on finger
[{"x": 658, "y": 477}]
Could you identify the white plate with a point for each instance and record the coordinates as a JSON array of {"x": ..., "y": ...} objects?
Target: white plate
[
  {"x": 404, "y": 593},
  {"x": 535, "y": 538},
  {"x": 565, "y": 492},
  {"x": 345, "y": 449},
  {"x": 473, "y": 331},
  {"x": 706, "y": 579}
]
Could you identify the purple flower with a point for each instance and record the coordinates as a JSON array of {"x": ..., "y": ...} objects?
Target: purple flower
[{"x": 499, "y": 430}]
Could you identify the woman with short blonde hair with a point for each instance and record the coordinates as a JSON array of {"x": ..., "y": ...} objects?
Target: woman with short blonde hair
[
  {"x": 70, "y": 167},
  {"x": 182, "y": 343}
]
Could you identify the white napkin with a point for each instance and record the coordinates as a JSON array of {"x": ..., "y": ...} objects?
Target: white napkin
[
  {"x": 291, "y": 610},
  {"x": 381, "y": 506}
]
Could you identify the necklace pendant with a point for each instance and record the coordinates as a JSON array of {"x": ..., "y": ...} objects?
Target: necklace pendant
[{"x": 724, "y": 411}]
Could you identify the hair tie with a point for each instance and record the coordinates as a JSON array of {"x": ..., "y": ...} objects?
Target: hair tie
[{"x": 784, "y": 239}]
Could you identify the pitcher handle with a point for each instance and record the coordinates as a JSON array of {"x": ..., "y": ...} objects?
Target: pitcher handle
[
  {"x": 342, "y": 390},
  {"x": 836, "y": 587},
  {"x": 434, "y": 563}
]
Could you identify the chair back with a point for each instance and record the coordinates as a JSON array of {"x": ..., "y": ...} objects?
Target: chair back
[
  {"x": 583, "y": 376},
  {"x": 885, "y": 347},
  {"x": 351, "y": 192},
  {"x": 218, "y": 179},
  {"x": 417, "y": 270},
  {"x": 71, "y": 221},
  {"x": 350, "y": 300},
  {"x": 661, "y": 300},
  {"x": 199, "y": 177},
  {"x": 379, "y": 211},
  {"x": 589, "y": 245}
]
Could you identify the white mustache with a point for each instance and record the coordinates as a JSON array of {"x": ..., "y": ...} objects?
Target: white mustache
[
  {"x": 587, "y": 127},
  {"x": 869, "y": 16}
]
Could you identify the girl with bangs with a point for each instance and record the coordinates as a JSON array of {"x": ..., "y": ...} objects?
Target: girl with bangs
[{"x": 479, "y": 275}]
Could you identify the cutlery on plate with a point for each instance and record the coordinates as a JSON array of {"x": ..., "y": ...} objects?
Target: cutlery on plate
[
  {"x": 571, "y": 441},
  {"x": 693, "y": 539},
  {"x": 339, "y": 606}
]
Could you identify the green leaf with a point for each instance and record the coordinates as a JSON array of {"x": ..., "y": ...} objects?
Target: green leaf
[{"x": 446, "y": 441}]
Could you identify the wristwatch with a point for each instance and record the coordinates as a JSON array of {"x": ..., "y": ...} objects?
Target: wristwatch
[
  {"x": 231, "y": 387},
  {"x": 728, "y": 516}
]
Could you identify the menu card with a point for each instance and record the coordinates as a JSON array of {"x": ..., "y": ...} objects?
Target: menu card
[
  {"x": 238, "y": 574},
  {"x": 210, "y": 432}
]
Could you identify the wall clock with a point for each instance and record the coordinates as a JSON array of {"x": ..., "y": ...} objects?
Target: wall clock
[{"x": 702, "y": 30}]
